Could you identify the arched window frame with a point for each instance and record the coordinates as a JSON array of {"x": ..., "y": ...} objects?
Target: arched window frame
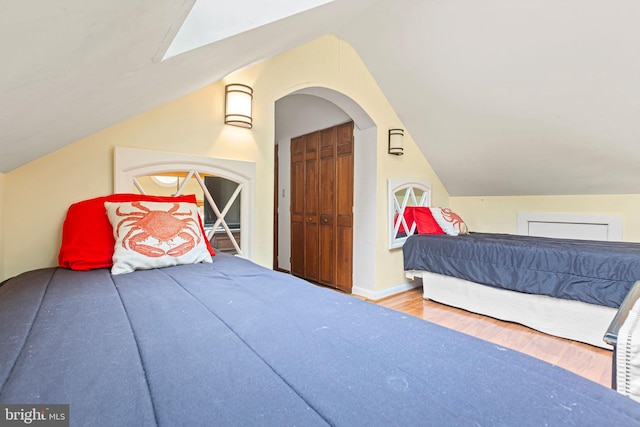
[
  {"x": 402, "y": 193},
  {"x": 131, "y": 163}
]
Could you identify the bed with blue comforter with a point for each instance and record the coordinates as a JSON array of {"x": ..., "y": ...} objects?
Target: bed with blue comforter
[
  {"x": 595, "y": 272},
  {"x": 230, "y": 343}
]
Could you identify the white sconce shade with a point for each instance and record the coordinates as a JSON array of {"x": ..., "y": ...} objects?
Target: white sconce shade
[
  {"x": 395, "y": 141},
  {"x": 237, "y": 105}
]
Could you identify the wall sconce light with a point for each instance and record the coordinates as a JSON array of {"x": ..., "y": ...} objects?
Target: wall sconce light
[
  {"x": 395, "y": 141},
  {"x": 237, "y": 105}
]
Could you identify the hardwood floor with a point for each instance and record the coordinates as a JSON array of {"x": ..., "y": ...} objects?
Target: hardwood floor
[{"x": 588, "y": 361}]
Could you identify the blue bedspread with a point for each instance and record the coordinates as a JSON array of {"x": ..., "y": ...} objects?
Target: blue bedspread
[
  {"x": 234, "y": 344},
  {"x": 590, "y": 271}
]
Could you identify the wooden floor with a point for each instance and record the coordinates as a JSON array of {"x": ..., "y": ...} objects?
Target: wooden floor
[{"x": 588, "y": 361}]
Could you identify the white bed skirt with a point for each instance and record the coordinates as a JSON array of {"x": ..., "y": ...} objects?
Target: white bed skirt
[{"x": 574, "y": 320}]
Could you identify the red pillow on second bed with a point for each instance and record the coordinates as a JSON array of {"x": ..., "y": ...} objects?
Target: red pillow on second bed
[
  {"x": 87, "y": 235},
  {"x": 425, "y": 222}
]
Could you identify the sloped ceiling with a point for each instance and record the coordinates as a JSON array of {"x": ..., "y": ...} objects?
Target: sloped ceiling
[{"x": 504, "y": 97}]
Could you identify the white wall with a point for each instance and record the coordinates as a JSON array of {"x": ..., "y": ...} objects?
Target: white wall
[
  {"x": 364, "y": 204},
  {"x": 284, "y": 204}
]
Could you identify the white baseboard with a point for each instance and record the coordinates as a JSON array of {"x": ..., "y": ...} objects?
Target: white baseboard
[{"x": 372, "y": 295}]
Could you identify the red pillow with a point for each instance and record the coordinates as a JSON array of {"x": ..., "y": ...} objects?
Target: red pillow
[
  {"x": 408, "y": 218},
  {"x": 425, "y": 222},
  {"x": 87, "y": 236}
]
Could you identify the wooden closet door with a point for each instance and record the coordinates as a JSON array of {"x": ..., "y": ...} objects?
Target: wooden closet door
[
  {"x": 327, "y": 180},
  {"x": 297, "y": 206},
  {"x": 311, "y": 205},
  {"x": 322, "y": 206},
  {"x": 344, "y": 207}
]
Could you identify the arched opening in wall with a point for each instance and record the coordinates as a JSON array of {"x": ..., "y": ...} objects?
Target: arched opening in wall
[{"x": 304, "y": 119}]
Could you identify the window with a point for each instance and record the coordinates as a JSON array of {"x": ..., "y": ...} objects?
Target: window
[{"x": 222, "y": 190}]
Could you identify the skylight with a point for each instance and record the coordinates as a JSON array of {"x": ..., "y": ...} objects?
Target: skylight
[{"x": 212, "y": 20}]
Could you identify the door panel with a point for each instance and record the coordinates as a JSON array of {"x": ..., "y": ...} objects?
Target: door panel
[
  {"x": 322, "y": 206},
  {"x": 297, "y": 206},
  {"x": 327, "y": 206},
  {"x": 344, "y": 207},
  {"x": 311, "y": 204}
]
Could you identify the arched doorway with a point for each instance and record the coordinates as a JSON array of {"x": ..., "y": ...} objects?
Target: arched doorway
[{"x": 309, "y": 110}]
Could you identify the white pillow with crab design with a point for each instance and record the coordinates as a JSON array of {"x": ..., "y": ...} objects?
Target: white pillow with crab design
[
  {"x": 449, "y": 221},
  {"x": 155, "y": 234}
]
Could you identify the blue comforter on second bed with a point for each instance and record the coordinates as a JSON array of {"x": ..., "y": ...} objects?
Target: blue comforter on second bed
[
  {"x": 234, "y": 344},
  {"x": 595, "y": 272}
]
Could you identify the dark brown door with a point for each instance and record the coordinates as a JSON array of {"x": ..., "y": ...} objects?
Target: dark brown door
[
  {"x": 344, "y": 207},
  {"x": 297, "y": 206},
  {"x": 311, "y": 204},
  {"x": 322, "y": 206},
  {"x": 327, "y": 180}
]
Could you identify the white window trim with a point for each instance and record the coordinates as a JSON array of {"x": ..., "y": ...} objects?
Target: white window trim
[
  {"x": 613, "y": 223},
  {"x": 130, "y": 163},
  {"x": 396, "y": 185}
]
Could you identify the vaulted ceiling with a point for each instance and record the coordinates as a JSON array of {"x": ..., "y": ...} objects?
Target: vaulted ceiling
[{"x": 504, "y": 97}]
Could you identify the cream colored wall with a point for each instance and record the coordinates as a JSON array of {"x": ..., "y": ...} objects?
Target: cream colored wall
[
  {"x": 193, "y": 124},
  {"x": 499, "y": 214}
]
